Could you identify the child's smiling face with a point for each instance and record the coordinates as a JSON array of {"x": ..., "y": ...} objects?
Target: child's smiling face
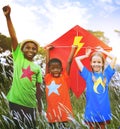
[
  {"x": 55, "y": 69},
  {"x": 29, "y": 50},
  {"x": 96, "y": 63}
]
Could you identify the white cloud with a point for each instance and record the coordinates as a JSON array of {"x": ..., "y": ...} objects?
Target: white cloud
[
  {"x": 63, "y": 17},
  {"x": 46, "y": 22},
  {"x": 117, "y": 2},
  {"x": 114, "y": 43},
  {"x": 106, "y": 7},
  {"x": 106, "y": 1}
]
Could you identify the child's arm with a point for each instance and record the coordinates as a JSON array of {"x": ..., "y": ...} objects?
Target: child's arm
[
  {"x": 113, "y": 59},
  {"x": 48, "y": 57},
  {"x": 7, "y": 11},
  {"x": 79, "y": 58},
  {"x": 70, "y": 58},
  {"x": 38, "y": 96}
]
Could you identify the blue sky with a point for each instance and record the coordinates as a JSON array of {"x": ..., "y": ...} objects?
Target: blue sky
[{"x": 46, "y": 20}]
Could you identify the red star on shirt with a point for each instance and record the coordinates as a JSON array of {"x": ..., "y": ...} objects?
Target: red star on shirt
[{"x": 27, "y": 73}]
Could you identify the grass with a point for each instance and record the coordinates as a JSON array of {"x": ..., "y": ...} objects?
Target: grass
[
  {"x": 78, "y": 109},
  {"x": 78, "y": 104}
]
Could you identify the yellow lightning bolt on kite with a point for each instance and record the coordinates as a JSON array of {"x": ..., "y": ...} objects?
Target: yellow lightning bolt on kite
[{"x": 77, "y": 42}]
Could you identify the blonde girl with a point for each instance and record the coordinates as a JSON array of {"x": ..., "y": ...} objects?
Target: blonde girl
[{"x": 97, "y": 110}]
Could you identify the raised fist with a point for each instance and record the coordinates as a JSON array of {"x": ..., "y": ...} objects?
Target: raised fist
[{"x": 6, "y": 10}]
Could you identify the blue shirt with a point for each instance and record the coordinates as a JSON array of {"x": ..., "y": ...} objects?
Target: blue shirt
[{"x": 97, "y": 98}]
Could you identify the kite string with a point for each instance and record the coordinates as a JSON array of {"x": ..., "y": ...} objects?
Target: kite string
[{"x": 81, "y": 48}]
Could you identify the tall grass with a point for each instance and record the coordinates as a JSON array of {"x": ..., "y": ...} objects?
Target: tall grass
[
  {"x": 78, "y": 105},
  {"x": 78, "y": 109}
]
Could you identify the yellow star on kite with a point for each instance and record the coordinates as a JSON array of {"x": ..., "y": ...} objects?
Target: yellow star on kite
[{"x": 77, "y": 42}]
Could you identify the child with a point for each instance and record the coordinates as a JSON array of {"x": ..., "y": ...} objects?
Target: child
[
  {"x": 25, "y": 92},
  {"x": 97, "y": 111},
  {"x": 59, "y": 109}
]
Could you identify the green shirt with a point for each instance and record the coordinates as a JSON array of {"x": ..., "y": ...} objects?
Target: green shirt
[{"x": 25, "y": 76}]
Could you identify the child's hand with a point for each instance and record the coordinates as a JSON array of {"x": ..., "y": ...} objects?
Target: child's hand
[
  {"x": 74, "y": 46},
  {"x": 88, "y": 51},
  {"x": 49, "y": 47},
  {"x": 6, "y": 10},
  {"x": 99, "y": 49},
  {"x": 39, "y": 109}
]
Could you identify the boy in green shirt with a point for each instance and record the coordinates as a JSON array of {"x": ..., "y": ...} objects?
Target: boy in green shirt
[{"x": 25, "y": 92}]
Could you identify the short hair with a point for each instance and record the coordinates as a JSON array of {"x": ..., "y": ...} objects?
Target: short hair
[{"x": 54, "y": 60}]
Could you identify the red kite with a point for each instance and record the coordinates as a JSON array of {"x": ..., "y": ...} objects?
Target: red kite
[{"x": 83, "y": 39}]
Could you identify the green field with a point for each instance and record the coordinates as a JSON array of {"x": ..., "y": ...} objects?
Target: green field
[{"x": 78, "y": 109}]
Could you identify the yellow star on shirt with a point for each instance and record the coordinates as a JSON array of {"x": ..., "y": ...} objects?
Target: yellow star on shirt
[
  {"x": 27, "y": 73},
  {"x": 53, "y": 88}
]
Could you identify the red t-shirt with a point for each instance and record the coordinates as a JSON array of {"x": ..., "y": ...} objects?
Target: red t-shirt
[{"x": 58, "y": 100}]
